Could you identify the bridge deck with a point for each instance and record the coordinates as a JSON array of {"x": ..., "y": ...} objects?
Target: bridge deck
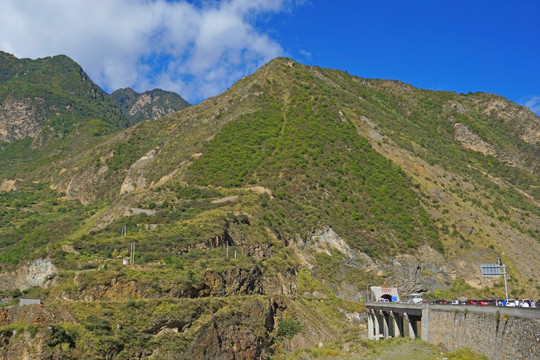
[{"x": 416, "y": 309}]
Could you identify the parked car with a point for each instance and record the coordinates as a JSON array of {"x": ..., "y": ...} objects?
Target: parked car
[
  {"x": 455, "y": 302},
  {"x": 471, "y": 302},
  {"x": 512, "y": 303},
  {"x": 484, "y": 302},
  {"x": 441, "y": 302}
]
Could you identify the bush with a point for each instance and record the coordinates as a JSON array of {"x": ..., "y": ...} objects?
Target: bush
[{"x": 288, "y": 328}]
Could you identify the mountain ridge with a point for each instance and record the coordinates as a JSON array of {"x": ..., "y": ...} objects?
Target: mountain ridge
[
  {"x": 52, "y": 94},
  {"x": 149, "y": 105}
]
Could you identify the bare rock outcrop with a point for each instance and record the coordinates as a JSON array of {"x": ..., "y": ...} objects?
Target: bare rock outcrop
[
  {"x": 8, "y": 185},
  {"x": 241, "y": 334},
  {"x": 34, "y": 274},
  {"x": 135, "y": 181},
  {"x": 471, "y": 140},
  {"x": 522, "y": 122},
  {"x": 18, "y": 120}
]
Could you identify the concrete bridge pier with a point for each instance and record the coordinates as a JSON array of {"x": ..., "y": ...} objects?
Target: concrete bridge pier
[
  {"x": 378, "y": 325},
  {"x": 411, "y": 325},
  {"x": 396, "y": 324},
  {"x": 386, "y": 325},
  {"x": 375, "y": 325},
  {"x": 380, "y": 328},
  {"x": 370, "y": 325}
]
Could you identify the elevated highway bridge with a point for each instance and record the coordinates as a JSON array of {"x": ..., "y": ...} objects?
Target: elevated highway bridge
[{"x": 498, "y": 332}]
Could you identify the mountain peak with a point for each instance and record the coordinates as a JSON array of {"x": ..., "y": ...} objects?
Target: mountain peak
[{"x": 149, "y": 105}]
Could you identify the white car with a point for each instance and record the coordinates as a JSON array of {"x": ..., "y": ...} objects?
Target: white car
[{"x": 511, "y": 303}]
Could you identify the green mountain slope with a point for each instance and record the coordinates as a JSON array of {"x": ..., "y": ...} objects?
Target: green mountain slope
[
  {"x": 296, "y": 181},
  {"x": 57, "y": 94}
]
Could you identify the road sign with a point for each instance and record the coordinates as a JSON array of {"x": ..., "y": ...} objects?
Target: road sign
[
  {"x": 494, "y": 270},
  {"x": 491, "y": 270}
]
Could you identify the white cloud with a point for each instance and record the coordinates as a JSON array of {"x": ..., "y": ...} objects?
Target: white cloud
[
  {"x": 305, "y": 54},
  {"x": 532, "y": 103},
  {"x": 195, "y": 50}
]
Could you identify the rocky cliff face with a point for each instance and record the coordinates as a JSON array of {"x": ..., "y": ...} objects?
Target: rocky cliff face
[
  {"x": 149, "y": 105},
  {"x": 18, "y": 120},
  {"x": 37, "y": 273},
  {"x": 522, "y": 121},
  {"x": 200, "y": 329}
]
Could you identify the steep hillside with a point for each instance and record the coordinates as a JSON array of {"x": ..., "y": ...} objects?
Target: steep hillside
[
  {"x": 47, "y": 97},
  {"x": 296, "y": 181}
]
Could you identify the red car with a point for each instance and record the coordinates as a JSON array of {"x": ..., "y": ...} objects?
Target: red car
[{"x": 484, "y": 302}]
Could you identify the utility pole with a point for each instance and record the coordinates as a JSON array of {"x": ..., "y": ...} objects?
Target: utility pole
[
  {"x": 132, "y": 253},
  {"x": 123, "y": 234},
  {"x": 505, "y": 283}
]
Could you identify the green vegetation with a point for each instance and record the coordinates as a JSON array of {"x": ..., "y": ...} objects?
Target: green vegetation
[
  {"x": 32, "y": 219},
  {"x": 288, "y": 328},
  {"x": 353, "y": 346},
  {"x": 320, "y": 171}
]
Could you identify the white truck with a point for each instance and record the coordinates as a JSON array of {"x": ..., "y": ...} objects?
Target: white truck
[{"x": 414, "y": 299}]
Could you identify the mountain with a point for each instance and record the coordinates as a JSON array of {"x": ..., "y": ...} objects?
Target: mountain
[
  {"x": 261, "y": 215},
  {"x": 46, "y": 97},
  {"x": 49, "y": 97},
  {"x": 149, "y": 105},
  {"x": 50, "y": 108}
]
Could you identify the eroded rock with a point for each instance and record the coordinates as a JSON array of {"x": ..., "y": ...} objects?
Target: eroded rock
[{"x": 34, "y": 274}]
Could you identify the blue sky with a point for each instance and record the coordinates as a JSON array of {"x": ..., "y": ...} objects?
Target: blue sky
[
  {"x": 489, "y": 46},
  {"x": 200, "y": 48}
]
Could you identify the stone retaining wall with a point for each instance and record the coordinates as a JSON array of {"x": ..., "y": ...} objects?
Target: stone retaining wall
[{"x": 499, "y": 333}]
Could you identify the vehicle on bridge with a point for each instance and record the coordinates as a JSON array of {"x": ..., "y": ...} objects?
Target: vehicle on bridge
[
  {"x": 414, "y": 299},
  {"x": 511, "y": 303}
]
